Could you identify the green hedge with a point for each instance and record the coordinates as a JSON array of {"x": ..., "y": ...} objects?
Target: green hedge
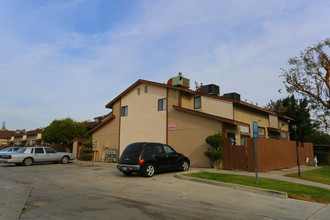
[
  {"x": 87, "y": 157},
  {"x": 87, "y": 150}
]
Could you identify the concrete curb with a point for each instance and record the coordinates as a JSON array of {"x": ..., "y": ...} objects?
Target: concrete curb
[{"x": 267, "y": 192}]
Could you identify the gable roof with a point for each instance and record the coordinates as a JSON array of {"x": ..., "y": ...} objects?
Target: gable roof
[
  {"x": 110, "y": 104},
  {"x": 109, "y": 118},
  {"x": 34, "y": 132}
]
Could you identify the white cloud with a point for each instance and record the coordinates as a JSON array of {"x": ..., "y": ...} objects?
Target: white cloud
[{"x": 55, "y": 72}]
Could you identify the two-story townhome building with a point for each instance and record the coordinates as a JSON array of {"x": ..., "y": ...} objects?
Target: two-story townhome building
[
  {"x": 5, "y": 137},
  {"x": 21, "y": 138},
  {"x": 33, "y": 137},
  {"x": 176, "y": 115}
]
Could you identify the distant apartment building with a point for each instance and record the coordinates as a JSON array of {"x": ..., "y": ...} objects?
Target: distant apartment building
[
  {"x": 176, "y": 115},
  {"x": 21, "y": 138},
  {"x": 5, "y": 135}
]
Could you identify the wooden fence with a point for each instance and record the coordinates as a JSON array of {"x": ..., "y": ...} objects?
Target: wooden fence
[{"x": 272, "y": 155}]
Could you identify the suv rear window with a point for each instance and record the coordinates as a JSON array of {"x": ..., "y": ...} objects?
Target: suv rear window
[{"x": 133, "y": 148}]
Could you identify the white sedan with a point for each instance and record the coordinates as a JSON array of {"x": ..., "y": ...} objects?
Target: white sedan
[{"x": 29, "y": 155}]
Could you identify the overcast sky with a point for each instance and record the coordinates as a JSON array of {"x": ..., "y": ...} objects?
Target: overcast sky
[{"x": 69, "y": 58}]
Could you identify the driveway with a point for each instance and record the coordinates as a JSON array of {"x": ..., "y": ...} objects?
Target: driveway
[{"x": 99, "y": 191}]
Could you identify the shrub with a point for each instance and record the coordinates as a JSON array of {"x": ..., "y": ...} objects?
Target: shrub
[
  {"x": 214, "y": 153},
  {"x": 88, "y": 143},
  {"x": 87, "y": 150},
  {"x": 87, "y": 157}
]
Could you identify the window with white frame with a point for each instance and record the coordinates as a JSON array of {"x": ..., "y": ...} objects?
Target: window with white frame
[
  {"x": 261, "y": 131},
  {"x": 243, "y": 140},
  {"x": 161, "y": 104},
  {"x": 197, "y": 102},
  {"x": 245, "y": 129}
]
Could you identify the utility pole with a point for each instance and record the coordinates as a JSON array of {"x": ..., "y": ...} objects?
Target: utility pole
[{"x": 297, "y": 146}]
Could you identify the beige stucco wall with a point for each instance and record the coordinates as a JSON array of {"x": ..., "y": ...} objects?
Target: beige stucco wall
[
  {"x": 187, "y": 100},
  {"x": 3, "y": 141},
  {"x": 33, "y": 137},
  {"x": 273, "y": 121},
  {"x": 30, "y": 138},
  {"x": 190, "y": 133},
  {"x": 74, "y": 148},
  {"x": 209, "y": 105},
  {"x": 107, "y": 136},
  {"x": 248, "y": 116},
  {"x": 144, "y": 122},
  {"x": 284, "y": 126},
  {"x": 217, "y": 107}
]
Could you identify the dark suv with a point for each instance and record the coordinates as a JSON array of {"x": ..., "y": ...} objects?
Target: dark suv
[{"x": 147, "y": 158}]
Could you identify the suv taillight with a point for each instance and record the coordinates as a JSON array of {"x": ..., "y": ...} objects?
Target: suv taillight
[{"x": 141, "y": 161}]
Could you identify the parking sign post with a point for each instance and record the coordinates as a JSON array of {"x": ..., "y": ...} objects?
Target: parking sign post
[{"x": 255, "y": 137}]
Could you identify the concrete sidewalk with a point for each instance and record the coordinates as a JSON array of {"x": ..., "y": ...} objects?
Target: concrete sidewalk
[{"x": 277, "y": 174}]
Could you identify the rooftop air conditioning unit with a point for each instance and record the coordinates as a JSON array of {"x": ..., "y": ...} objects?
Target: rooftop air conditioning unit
[
  {"x": 210, "y": 89},
  {"x": 232, "y": 95},
  {"x": 180, "y": 81}
]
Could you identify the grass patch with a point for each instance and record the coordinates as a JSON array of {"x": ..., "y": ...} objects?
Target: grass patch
[
  {"x": 294, "y": 190},
  {"x": 321, "y": 175}
]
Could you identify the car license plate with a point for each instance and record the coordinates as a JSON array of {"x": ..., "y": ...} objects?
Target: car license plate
[{"x": 125, "y": 168}]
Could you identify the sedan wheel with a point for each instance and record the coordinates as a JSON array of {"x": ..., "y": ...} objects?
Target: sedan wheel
[
  {"x": 65, "y": 159},
  {"x": 184, "y": 165},
  {"x": 149, "y": 170},
  {"x": 27, "y": 161}
]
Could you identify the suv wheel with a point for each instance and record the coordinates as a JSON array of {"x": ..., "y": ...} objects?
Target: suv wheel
[
  {"x": 184, "y": 165},
  {"x": 149, "y": 170}
]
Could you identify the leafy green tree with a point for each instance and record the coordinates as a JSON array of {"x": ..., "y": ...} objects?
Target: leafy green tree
[
  {"x": 214, "y": 153},
  {"x": 88, "y": 144},
  {"x": 63, "y": 131},
  {"x": 309, "y": 76},
  {"x": 320, "y": 137},
  {"x": 298, "y": 110}
]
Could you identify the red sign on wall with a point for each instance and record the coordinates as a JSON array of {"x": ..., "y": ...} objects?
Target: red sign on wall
[{"x": 171, "y": 126}]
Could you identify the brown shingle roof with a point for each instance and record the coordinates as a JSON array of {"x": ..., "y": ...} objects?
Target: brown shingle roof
[
  {"x": 6, "y": 134},
  {"x": 90, "y": 125},
  {"x": 109, "y": 118},
  {"x": 80, "y": 140},
  {"x": 34, "y": 132}
]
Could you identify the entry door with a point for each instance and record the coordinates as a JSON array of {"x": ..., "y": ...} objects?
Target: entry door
[{"x": 232, "y": 137}]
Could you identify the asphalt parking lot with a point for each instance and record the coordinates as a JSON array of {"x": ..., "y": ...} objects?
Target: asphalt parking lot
[{"x": 99, "y": 191}]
